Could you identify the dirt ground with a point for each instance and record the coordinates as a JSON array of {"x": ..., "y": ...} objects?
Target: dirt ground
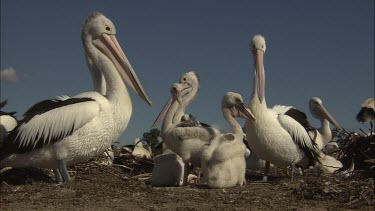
[{"x": 101, "y": 187}]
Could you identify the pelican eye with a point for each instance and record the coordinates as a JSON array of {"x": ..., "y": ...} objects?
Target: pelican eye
[
  {"x": 184, "y": 79},
  {"x": 108, "y": 28}
]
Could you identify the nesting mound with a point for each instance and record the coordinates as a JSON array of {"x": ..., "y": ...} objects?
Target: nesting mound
[{"x": 123, "y": 186}]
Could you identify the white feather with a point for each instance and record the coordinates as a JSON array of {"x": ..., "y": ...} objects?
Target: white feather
[
  {"x": 57, "y": 123},
  {"x": 296, "y": 130}
]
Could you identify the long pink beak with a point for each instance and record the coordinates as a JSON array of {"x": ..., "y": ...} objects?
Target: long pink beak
[
  {"x": 183, "y": 91},
  {"x": 109, "y": 46},
  {"x": 259, "y": 74},
  {"x": 328, "y": 116}
]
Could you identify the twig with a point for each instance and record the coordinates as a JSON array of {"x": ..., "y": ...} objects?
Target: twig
[
  {"x": 362, "y": 131},
  {"x": 131, "y": 169}
]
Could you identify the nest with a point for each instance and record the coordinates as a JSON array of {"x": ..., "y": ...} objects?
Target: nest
[{"x": 358, "y": 151}]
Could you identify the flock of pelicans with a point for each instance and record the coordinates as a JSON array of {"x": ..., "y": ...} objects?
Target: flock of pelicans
[{"x": 64, "y": 131}]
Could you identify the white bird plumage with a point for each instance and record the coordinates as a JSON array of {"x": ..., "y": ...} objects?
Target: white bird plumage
[
  {"x": 184, "y": 141},
  {"x": 65, "y": 131},
  {"x": 223, "y": 159},
  {"x": 275, "y": 136},
  {"x": 323, "y": 135},
  {"x": 7, "y": 122}
]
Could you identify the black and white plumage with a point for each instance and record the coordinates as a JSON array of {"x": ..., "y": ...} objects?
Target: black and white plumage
[
  {"x": 367, "y": 112},
  {"x": 67, "y": 130},
  {"x": 188, "y": 120},
  {"x": 275, "y": 136}
]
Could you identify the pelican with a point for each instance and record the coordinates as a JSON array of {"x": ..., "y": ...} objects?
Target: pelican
[
  {"x": 64, "y": 131},
  {"x": 190, "y": 79},
  {"x": 327, "y": 165},
  {"x": 140, "y": 150},
  {"x": 192, "y": 82},
  {"x": 367, "y": 112},
  {"x": 7, "y": 122},
  {"x": 186, "y": 142},
  {"x": 223, "y": 159},
  {"x": 323, "y": 135},
  {"x": 275, "y": 136}
]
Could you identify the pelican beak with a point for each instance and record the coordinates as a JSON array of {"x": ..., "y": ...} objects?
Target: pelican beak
[
  {"x": 163, "y": 112},
  {"x": 259, "y": 74},
  {"x": 245, "y": 112},
  {"x": 329, "y": 117},
  {"x": 176, "y": 92},
  {"x": 110, "y": 47}
]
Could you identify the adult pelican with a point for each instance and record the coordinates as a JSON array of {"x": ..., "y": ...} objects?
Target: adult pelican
[
  {"x": 323, "y": 135},
  {"x": 275, "y": 136},
  {"x": 223, "y": 159},
  {"x": 185, "y": 141},
  {"x": 191, "y": 82},
  {"x": 61, "y": 132}
]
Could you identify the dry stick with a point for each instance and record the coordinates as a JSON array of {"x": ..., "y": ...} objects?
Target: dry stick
[
  {"x": 362, "y": 131},
  {"x": 366, "y": 125},
  {"x": 131, "y": 169}
]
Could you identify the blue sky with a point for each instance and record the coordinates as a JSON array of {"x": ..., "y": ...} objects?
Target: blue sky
[{"x": 314, "y": 48}]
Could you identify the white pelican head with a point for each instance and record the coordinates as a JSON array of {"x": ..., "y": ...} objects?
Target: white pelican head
[
  {"x": 320, "y": 112},
  {"x": 234, "y": 103},
  {"x": 99, "y": 32},
  {"x": 191, "y": 82},
  {"x": 258, "y": 48}
]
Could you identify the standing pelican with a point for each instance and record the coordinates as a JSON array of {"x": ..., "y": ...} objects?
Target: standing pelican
[
  {"x": 275, "y": 136},
  {"x": 223, "y": 160},
  {"x": 323, "y": 135},
  {"x": 61, "y": 132},
  {"x": 184, "y": 141}
]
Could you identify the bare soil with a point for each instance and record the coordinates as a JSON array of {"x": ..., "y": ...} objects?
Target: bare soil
[{"x": 125, "y": 187}]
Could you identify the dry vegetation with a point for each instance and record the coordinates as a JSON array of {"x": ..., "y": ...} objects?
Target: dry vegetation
[{"x": 124, "y": 186}]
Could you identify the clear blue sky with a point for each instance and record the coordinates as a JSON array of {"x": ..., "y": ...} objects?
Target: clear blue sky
[{"x": 314, "y": 48}]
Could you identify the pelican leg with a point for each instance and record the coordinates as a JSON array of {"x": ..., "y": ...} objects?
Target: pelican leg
[
  {"x": 266, "y": 170},
  {"x": 63, "y": 171},
  {"x": 186, "y": 173},
  {"x": 293, "y": 166},
  {"x": 58, "y": 177}
]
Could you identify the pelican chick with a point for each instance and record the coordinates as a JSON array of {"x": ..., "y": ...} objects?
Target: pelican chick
[{"x": 223, "y": 159}]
